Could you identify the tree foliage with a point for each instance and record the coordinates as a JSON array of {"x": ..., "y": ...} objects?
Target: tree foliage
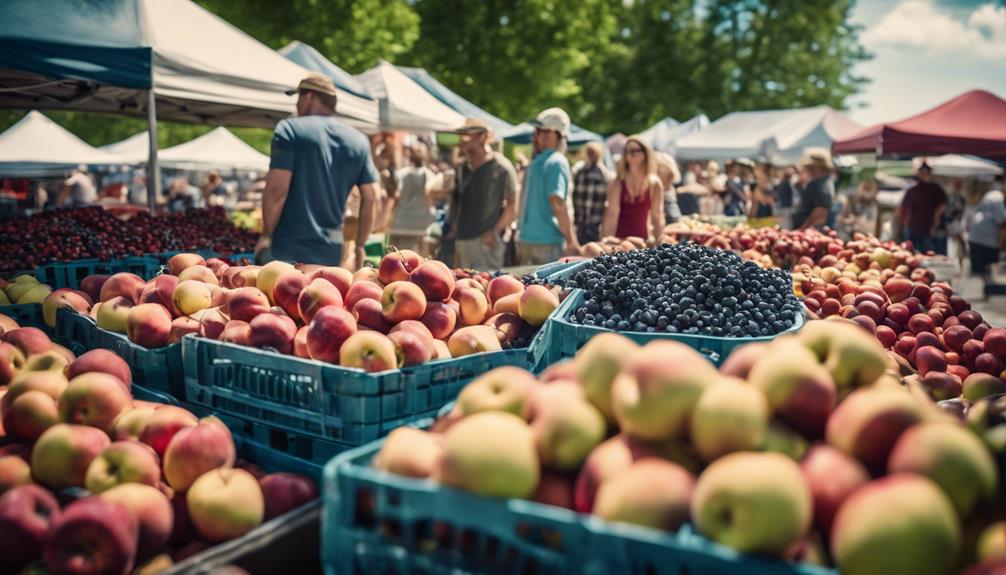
[{"x": 615, "y": 65}]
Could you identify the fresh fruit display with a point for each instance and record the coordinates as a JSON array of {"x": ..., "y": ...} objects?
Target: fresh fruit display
[
  {"x": 809, "y": 448},
  {"x": 23, "y": 289},
  {"x": 96, "y": 233},
  {"x": 406, "y": 312},
  {"x": 93, "y": 481},
  {"x": 685, "y": 289}
]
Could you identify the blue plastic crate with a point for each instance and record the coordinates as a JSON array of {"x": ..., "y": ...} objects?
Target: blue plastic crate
[
  {"x": 377, "y": 522},
  {"x": 26, "y": 315},
  {"x": 562, "y": 338},
  {"x": 558, "y": 275},
  {"x": 158, "y": 369},
  {"x": 70, "y": 274},
  {"x": 322, "y": 400}
]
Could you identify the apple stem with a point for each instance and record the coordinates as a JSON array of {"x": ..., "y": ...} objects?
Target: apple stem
[{"x": 405, "y": 261}]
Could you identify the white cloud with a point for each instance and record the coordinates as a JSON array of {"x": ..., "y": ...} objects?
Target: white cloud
[{"x": 921, "y": 24}]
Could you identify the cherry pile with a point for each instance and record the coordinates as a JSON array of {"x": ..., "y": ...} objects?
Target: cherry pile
[{"x": 68, "y": 235}]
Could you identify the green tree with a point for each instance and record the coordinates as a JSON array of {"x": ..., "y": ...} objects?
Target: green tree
[{"x": 355, "y": 34}]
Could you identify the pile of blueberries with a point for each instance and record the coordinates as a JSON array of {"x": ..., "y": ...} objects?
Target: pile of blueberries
[{"x": 685, "y": 288}]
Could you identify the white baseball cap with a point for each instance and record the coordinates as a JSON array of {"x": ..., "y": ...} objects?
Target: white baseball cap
[{"x": 553, "y": 119}]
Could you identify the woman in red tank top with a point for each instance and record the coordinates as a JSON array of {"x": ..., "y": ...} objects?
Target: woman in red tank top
[{"x": 635, "y": 196}]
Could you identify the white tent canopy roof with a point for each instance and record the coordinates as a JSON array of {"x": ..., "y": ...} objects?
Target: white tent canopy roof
[
  {"x": 36, "y": 145},
  {"x": 664, "y": 134},
  {"x": 776, "y": 136},
  {"x": 405, "y": 105},
  {"x": 218, "y": 149},
  {"x": 204, "y": 71},
  {"x": 958, "y": 166},
  {"x": 132, "y": 150}
]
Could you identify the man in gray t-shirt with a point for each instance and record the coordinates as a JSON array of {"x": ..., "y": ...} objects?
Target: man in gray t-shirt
[{"x": 484, "y": 200}]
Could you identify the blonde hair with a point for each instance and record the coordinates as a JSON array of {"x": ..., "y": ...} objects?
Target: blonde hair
[
  {"x": 649, "y": 168},
  {"x": 666, "y": 164},
  {"x": 592, "y": 152}
]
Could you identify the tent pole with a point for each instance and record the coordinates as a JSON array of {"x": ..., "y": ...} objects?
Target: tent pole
[{"x": 153, "y": 169}]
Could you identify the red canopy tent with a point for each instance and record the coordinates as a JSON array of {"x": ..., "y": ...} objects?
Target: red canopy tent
[{"x": 972, "y": 123}]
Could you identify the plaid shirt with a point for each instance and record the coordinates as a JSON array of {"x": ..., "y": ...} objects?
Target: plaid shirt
[{"x": 590, "y": 193}]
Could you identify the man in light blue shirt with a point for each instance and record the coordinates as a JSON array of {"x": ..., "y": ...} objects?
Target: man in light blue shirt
[{"x": 545, "y": 222}]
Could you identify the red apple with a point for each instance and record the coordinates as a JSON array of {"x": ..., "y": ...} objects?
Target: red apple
[
  {"x": 435, "y": 280},
  {"x": 327, "y": 331}
]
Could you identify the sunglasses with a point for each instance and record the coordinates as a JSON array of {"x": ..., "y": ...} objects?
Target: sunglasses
[{"x": 633, "y": 151}]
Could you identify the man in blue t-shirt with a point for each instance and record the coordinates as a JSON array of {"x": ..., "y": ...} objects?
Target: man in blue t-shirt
[
  {"x": 544, "y": 220},
  {"x": 316, "y": 162}
]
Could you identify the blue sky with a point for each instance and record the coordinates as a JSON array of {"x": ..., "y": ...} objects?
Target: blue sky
[{"x": 926, "y": 52}]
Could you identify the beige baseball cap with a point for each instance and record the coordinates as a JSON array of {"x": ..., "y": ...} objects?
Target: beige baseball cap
[
  {"x": 552, "y": 119},
  {"x": 316, "y": 82}
]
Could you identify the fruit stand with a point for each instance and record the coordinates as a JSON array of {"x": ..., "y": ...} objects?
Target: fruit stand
[{"x": 734, "y": 400}]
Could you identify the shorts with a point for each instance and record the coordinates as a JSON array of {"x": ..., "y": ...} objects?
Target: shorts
[
  {"x": 982, "y": 257},
  {"x": 475, "y": 254},
  {"x": 538, "y": 254}
]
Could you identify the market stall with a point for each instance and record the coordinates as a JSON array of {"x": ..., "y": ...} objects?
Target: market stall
[
  {"x": 664, "y": 135},
  {"x": 405, "y": 105},
  {"x": 311, "y": 59},
  {"x": 36, "y": 146},
  {"x": 453, "y": 100},
  {"x": 218, "y": 149}
]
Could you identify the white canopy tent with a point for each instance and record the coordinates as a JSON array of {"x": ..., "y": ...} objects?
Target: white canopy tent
[
  {"x": 405, "y": 105},
  {"x": 36, "y": 146},
  {"x": 218, "y": 149},
  {"x": 664, "y": 134},
  {"x": 776, "y": 136},
  {"x": 132, "y": 150},
  {"x": 958, "y": 166}
]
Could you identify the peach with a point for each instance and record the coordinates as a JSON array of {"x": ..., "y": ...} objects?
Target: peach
[
  {"x": 508, "y": 326},
  {"x": 341, "y": 278},
  {"x": 474, "y": 306},
  {"x": 191, "y": 296},
  {"x": 284, "y": 492},
  {"x": 123, "y": 462},
  {"x": 832, "y": 476},
  {"x": 316, "y": 295},
  {"x": 225, "y": 503},
  {"x": 898, "y": 524},
  {"x": 742, "y": 359},
  {"x": 366, "y": 274},
  {"x": 14, "y": 471},
  {"x": 729, "y": 416},
  {"x": 439, "y": 318},
  {"x": 29, "y": 415},
  {"x": 654, "y": 395},
  {"x": 179, "y": 262},
  {"x": 300, "y": 343},
  {"x": 369, "y": 351},
  {"x": 565, "y": 431},
  {"x": 435, "y": 279},
  {"x": 491, "y": 454},
  {"x": 94, "y": 399},
  {"x": 869, "y": 422},
  {"x": 653, "y": 493},
  {"x": 246, "y": 303},
  {"x": 11, "y": 362},
  {"x": 195, "y": 450},
  {"x": 161, "y": 290},
  {"x": 236, "y": 331},
  {"x": 91, "y": 285},
  {"x": 979, "y": 385},
  {"x": 327, "y": 332},
  {"x": 161, "y": 427},
  {"x": 508, "y": 303},
  {"x": 29, "y": 340},
  {"x": 51, "y": 360},
  {"x": 212, "y": 322},
  {"x": 536, "y": 304},
  {"x": 473, "y": 339},
  {"x": 64, "y": 298},
  {"x": 606, "y": 461},
  {"x": 502, "y": 286},
  {"x": 123, "y": 284},
  {"x": 112, "y": 314},
  {"x": 411, "y": 348},
  {"x": 799, "y": 390},
  {"x": 100, "y": 360},
  {"x": 851, "y": 356},
  {"x": 440, "y": 350},
  {"x": 243, "y": 276},
  {"x": 397, "y": 265},
  {"x": 410, "y": 452},
  {"x": 93, "y": 535},
  {"x": 152, "y": 510},
  {"x": 953, "y": 457},
  {"x": 362, "y": 290},
  {"x": 181, "y": 326},
  {"x": 286, "y": 291},
  {"x": 130, "y": 423},
  {"x": 402, "y": 300},
  {"x": 269, "y": 275},
  {"x": 63, "y": 453},
  {"x": 149, "y": 325},
  {"x": 199, "y": 273},
  {"x": 272, "y": 330},
  {"x": 370, "y": 314},
  {"x": 505, "y": 388}
]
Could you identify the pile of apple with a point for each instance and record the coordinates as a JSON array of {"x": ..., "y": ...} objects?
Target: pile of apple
[
  {"x": 74, "y": 234},
  {"x": 158, "y": 484},
  {"x": 926, "y": 326},
  {"x": 406, "y": 312},
  {"x": 808, "y": 448},
  {"x": 23, "y": 289}
]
